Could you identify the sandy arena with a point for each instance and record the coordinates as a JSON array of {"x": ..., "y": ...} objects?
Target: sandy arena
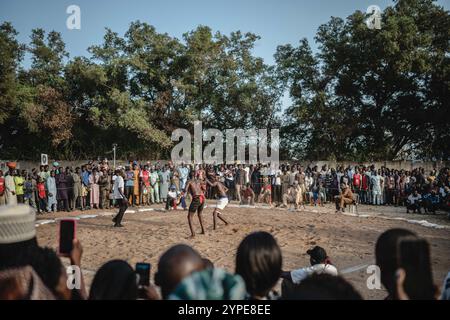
[{"x": 348, "y": 239}]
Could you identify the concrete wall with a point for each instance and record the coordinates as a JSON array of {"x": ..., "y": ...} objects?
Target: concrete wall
[{"x": 405, "y": 165}]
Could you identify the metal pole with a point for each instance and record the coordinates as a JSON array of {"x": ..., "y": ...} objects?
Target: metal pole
[{"x": 114, "y": 161}]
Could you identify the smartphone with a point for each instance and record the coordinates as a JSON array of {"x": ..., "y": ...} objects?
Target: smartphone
[
  {"x": 67, "y": 229},
  {"x": 143, "y": 270}
]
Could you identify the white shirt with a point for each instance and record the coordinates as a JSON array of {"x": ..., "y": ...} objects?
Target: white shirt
[
  {"x": 414, "y": 199},
  {"x": 308, "y": 182},
  {"x": 301, "y": 274},
  {"x": 118, "y": 183},
  {"x": 172, "y": 194},
  {"x": 247, "y": 177},
  {"x": 278, "y": 174}
]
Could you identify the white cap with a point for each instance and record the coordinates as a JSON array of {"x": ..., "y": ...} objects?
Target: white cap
[{"x": 17, "y": 223}]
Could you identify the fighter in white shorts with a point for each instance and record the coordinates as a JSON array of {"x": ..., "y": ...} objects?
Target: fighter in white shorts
[{"x": 221, "y": 203}]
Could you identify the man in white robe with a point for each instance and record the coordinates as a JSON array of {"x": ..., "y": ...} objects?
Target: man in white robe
[{"x": 10, "y": 189}]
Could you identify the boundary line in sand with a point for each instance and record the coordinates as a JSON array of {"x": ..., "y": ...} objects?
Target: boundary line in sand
[{"x": 423, "y": 223}]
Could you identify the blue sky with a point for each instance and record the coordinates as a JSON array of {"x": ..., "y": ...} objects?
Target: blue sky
[{"x": 276, "y": 21}]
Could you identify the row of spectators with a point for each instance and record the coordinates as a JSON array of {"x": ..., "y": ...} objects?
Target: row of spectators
[
  {"x": 28, "y": 271},
  {"x": 91, "y": 185}
]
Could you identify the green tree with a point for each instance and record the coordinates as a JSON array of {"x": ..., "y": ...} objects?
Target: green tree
[{"x": 371, "y": 94}]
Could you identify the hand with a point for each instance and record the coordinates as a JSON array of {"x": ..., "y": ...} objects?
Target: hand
[
  {"x": 150, "y": 293},
  {"x": 76, "y": 253},
  {"x": 13, "y": 193}
]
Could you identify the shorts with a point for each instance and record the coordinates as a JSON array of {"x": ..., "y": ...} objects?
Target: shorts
[
  {"x": 222, "y": 203},
  {"x": 197, "y": 204}
]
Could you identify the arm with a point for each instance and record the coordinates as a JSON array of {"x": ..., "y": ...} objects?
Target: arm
[
  {"x": 75, "y": 259},
  {"x": 121, "y": 192},
  {"x": 286, "y": 275},
  {"x": 225, "y": 189},
  {"x": 212, "y": 184},
  {"x": 301, "y": 274}
]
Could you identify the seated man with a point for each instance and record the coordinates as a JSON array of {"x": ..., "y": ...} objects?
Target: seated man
[
  {"x": 247, "y": 195},
  {"x": 431, "y": 201},
  {"x": 346, "y": 197},
  {"x": 414, "y": 202}
]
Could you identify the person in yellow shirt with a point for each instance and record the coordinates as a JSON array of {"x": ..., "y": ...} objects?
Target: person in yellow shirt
[{"x": 19, "y": 181}]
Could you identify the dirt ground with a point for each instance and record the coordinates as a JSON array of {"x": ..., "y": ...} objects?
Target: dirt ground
[{"x": 348, "y": 239}]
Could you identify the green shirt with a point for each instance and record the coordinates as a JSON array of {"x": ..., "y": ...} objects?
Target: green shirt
[{"x": 19, "y": 181}]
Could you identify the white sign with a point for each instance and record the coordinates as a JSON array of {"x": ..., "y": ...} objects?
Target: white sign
[
  {"x": 44, "y": 159},
  {"x": 374, "y": 20},
  {"x": 74, "y": 20}
]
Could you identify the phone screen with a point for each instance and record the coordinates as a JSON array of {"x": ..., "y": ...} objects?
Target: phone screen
[
  {"x": 66, "y": 236},
  {"x": 143, "y": 270}
]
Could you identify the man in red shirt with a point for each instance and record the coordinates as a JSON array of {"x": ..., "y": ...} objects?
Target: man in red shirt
[
  {"x": 2, "y": 189},
  {"x": 357, "y": 182},
  {"x": 42, "y": 195}
]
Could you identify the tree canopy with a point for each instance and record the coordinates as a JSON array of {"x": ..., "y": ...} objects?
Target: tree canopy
[
  {"x": 363, "y": 95},
  {"x": 371, "y": 94}
]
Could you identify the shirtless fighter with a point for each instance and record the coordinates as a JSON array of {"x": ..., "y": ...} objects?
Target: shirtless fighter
[
  {"x": 194, "y": 187},
  {"x": 222, "y": 202}
]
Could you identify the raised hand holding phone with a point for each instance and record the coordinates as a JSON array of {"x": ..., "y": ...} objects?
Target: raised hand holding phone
[{"x": 67, "y": 233}]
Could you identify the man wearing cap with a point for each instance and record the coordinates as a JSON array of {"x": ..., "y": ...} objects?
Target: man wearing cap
[
  {"x": 17, "y": 234},
  {"x": 346, "y": 197},
  {"x": 320, "y": 263}
]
